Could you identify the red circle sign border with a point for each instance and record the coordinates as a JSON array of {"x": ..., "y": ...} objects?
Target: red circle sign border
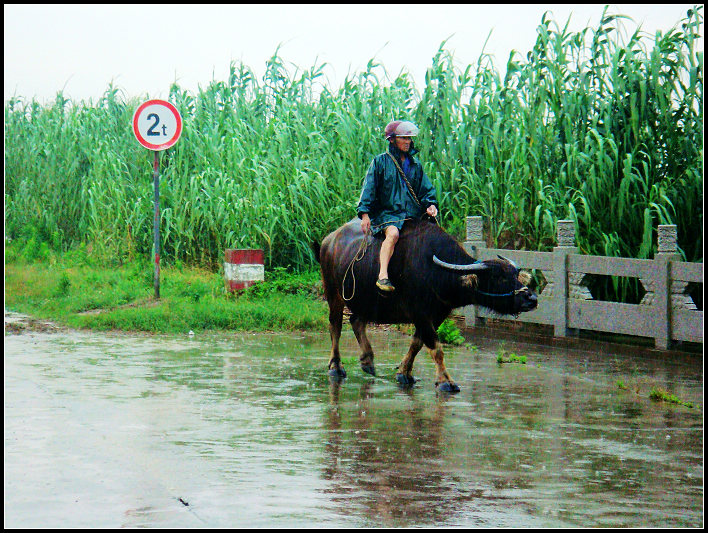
[{"x": 165, "y": 145}]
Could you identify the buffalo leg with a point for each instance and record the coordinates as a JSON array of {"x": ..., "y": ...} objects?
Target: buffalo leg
[
  {"x": 367, "y": 353},
  {"x": 404, "y": 375},
  {"x": 443, "y": 381},
  {"x": 336, "y": 308}
]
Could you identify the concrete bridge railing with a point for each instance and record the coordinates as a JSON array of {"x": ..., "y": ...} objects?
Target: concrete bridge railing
[{"x": 666, "y": 313}]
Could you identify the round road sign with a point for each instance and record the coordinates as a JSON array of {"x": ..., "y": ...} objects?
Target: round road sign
[{"x": 157, "y": 125}]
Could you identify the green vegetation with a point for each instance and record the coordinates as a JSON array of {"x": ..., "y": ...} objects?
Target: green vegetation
[
  {"x": 503, "y": 357},
  {"x": 601, "y": 126},
  {"x": 621, "y": 385},
  {"x": 448, "y": 333},
  {"x": 656, "y": 394},
  {"x": 513, "y": 358},
  {"x": 77, "y": 290},
  {"x": 660, "y": 395}
]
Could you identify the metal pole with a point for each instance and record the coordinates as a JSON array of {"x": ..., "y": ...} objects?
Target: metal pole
[{"x": 156, "y": 180}]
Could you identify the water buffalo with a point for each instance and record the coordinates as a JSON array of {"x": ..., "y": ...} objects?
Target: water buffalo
[{"x": 432, "y": 274}]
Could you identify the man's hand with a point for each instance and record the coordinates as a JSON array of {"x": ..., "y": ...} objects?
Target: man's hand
[
  {"x": 365, "y": 223},
  {"x": 432, "y": 211}
]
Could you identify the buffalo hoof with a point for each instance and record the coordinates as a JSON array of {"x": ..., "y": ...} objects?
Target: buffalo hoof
[
  {"x": 407, "y": 381},
  {"x": 338, "y": 373},
  {"x": 369, "y": 369},
  {"x": 447, "y": 386}
]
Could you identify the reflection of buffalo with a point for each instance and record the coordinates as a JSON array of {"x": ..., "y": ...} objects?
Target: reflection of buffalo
[
  {"x": 399, "y": 478},
  {"x": 432, "y": 274}
]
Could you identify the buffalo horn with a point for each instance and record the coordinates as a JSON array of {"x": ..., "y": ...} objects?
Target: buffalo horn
[
  {"x": 462, "y": 268},
  {"x": 508, "y": 261}
]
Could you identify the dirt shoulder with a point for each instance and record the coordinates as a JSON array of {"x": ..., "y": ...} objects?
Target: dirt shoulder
[{"x": 16, "y": 323}]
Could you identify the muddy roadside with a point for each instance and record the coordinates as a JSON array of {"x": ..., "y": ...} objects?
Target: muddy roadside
[{"x": 17, "y": 323}]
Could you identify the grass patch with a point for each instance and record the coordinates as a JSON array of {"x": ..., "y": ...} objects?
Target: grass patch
[
  {"x": 660, "y": 395},
  {"x": 505, "y": 357},
  {"x": 448, "y": 333},
  {"x": 71, "y": 291},
  {"x": 656, "y": 394},
  {"x": 622, "y": 385}
]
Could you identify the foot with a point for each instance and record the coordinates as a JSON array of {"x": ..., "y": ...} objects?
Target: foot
[
  {"x": 338, "y": 373},
  {"x": 403, "y": 379},
  {"x": 447, "y": 386},
  {"x": 385, "y": 285},
  {"x": 369, "y": 369}
]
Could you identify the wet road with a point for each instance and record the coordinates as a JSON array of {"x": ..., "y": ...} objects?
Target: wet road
[{"x": 116, "y": 430}]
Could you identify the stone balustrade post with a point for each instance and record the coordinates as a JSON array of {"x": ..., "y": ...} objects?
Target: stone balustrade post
[
  {"x": 475, "y": 234},
  {"x": 473, "y": 242},
  {"x": 667, "y": 251},
  {"x": 565, "y": 235}
]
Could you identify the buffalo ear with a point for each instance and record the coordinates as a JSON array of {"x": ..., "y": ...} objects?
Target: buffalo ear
[
  {"x": 524, "y": 277},
  {"x": 470, "y": 280}
]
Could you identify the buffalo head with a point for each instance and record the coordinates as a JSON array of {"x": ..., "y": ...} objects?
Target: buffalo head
[{"x": 496, "y": 284}]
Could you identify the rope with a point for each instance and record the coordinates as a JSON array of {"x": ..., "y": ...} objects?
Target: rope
[
  {"x": 408, "y": 185},
  {"x": 515, "y": 292},
  {"x": 403, "y": 175},
  {"x": 364, "y": 245},
  {"x": 359, "y": 255}
]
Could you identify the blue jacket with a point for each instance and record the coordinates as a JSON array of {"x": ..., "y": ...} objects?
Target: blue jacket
[{"x": 385, "y": 196}]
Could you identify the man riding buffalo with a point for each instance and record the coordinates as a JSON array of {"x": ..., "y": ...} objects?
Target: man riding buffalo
[
  {"x": 395, "y": 190},
  {"x": 432, "y": 271}
]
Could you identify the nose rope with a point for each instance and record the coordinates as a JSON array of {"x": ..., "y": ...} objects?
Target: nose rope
[{"x": 514, "y": 293}]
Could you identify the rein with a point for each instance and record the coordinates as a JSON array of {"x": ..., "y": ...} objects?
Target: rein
[
  {"x": 359, "y": 255},
  {"x": 495, "y": 295},
  {"x": 512, "y": 293}
]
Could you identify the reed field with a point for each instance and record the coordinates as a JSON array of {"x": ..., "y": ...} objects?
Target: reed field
[{"x": 603, "y": 126}]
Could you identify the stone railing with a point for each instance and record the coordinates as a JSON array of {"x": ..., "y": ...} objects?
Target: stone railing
[{"x": 666, "y": 313}]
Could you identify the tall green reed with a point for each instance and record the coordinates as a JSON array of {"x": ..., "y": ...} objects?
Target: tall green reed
[{"x": 591, "y": 125}]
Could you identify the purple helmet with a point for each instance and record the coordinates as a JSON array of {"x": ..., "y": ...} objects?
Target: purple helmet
[{"x": 400, "y": 128}]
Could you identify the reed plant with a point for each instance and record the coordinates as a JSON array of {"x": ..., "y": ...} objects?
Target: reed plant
[{"x": 597, "y": 126}]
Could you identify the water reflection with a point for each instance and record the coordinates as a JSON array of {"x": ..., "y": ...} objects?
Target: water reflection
[
  {"x": 523, "y": 446},
  {"x": 411, "y": 460},
  {"x": 250, "y": 431},
  {"x": 390, "y": 454}
]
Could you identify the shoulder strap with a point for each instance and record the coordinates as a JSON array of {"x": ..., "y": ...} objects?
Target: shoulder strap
[{"x": 400, "y": 170}]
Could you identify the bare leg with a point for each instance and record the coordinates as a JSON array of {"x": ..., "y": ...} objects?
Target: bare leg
[
  {"x": 387, "y": 248},
  {"x": 367, "y": 353}
]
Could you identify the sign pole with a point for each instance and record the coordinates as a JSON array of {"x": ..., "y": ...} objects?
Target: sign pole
[
  {"x": 156, "y": 224},
  {"x": 157, "y": 125}
]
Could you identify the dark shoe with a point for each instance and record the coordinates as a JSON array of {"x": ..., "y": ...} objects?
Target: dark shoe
[{"x": 385, "y": 285}]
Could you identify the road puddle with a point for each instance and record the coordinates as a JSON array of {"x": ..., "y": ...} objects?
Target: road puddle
[{"x": 228, "y": 430}]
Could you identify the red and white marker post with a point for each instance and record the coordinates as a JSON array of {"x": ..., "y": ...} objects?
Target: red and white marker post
[
  {"x": 157, "y": 125},
  {"x": 243, "y": 268}
]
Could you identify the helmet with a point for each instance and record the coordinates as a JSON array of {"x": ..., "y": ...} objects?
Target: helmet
[{"x": 399, "y": 128}]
